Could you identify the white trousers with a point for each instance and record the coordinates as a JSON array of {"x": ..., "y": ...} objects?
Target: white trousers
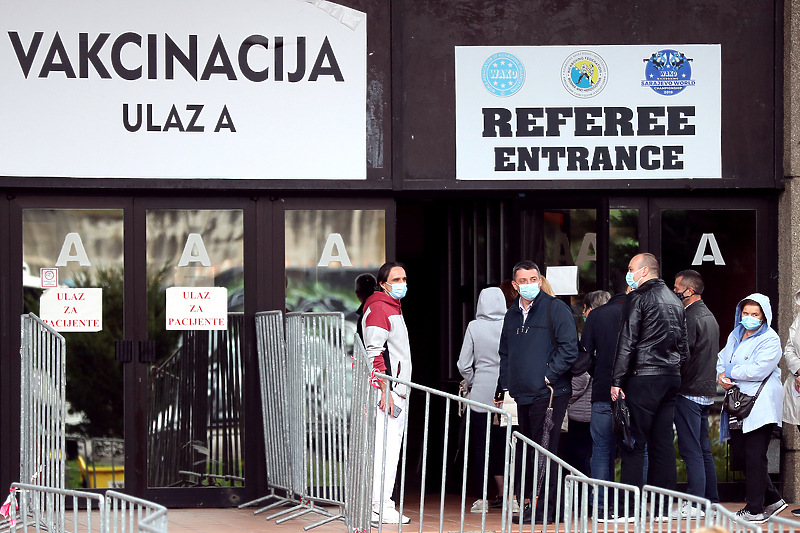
[{"x": 394, "y": 443}]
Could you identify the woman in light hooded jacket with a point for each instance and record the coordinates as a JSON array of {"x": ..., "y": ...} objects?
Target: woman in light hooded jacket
[
  {"x": 479, "y": 364},
  {"x": 791, "y": 355},
  {"x": 751, "y": 356}
]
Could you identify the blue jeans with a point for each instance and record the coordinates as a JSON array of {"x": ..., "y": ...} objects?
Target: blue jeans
[
  {"x": 691, "y": 423},
  {"x": 604, "y": 444}
]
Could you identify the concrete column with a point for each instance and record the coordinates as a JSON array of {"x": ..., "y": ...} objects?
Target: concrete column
[{"x": 789, "y": 225}]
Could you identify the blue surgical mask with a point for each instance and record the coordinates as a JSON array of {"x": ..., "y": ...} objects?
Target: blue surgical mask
[
  {"x": 529, "y": 291},
  {"x": 750, "y": 322},
  {"x": 398, "y": 290},
  {"x": 630, "y": 281}
]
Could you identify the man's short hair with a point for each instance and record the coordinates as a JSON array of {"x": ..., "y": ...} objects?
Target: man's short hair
[
  {"x": 366, "y": 284},
  {"x": 386, "y": 269},
  {"x": 595, "y": 299},
  {"x": 693, "y": 279},
  {"x": 618, "y": 283},
  {"x": 524, "y": 265},
  {"x": 649, "y": 261}
]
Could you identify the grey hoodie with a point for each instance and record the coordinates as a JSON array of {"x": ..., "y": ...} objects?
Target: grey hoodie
[{"x": 479, "y": 362}]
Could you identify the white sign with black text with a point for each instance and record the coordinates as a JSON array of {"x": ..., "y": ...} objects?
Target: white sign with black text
[
  {"x": 588, "y": 112},
  {"x": 183, "y": 89}
]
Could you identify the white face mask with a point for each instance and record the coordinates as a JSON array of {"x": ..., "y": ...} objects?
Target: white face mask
[{"x": 629, "y": 279}]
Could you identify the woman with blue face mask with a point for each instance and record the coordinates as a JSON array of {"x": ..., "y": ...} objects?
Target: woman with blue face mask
[{"x": 750, "y": 358}]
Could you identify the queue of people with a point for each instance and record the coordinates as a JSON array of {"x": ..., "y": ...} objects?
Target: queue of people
[{"x": 655, "y": 348}]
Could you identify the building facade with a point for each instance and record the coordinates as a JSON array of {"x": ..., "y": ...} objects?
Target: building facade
[{"x": 279, "y": 148}]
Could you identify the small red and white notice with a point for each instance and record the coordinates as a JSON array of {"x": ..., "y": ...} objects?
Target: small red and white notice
[
  {"x": 66, "y": 309},
  {"x": 48, "y": 277},
  {"x": 199, "y": 308}
]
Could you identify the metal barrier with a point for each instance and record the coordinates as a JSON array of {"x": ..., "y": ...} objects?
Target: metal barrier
[
  {"x": 52, "y": 509},
  {"x": 777, "y": 524},
  {"x": 43, "y": 405},
  {"x": 582, "y": 511},
  {"x": 358, "y": 500},
  {"x": 126, "y": 513},
  {"x": 317, "y": 409},
  {"x": 680, "y": 512},
  {"x": 731, "y": 522},
  {"x": 274, "y": 410},
  {"x": 360, "y": 449},
  {"x": 543, "y": 500}
]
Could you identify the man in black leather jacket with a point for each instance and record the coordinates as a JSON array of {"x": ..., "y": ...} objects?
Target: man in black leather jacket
[{"x": 651, "y": 347}]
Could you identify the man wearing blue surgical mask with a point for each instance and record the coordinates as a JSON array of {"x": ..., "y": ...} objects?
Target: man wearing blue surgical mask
[
  {"x": 651, "y": 347},
  {"x": 538, "y": 345}
]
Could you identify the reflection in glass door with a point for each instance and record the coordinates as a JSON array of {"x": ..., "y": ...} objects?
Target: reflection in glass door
[
  {"x": 84, "y": 250},
  {"x": 195, "y": 427}
]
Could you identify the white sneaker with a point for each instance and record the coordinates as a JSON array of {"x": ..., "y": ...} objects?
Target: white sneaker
[
  {"x": 514, "y": 506},
  {"x": 390, "y": 516},
  {"x": 775, "y": 508},
  {"x": 757, "y": 518},
  {"x": 479, "y": 506},
  {"x": 686, "y": 510}
]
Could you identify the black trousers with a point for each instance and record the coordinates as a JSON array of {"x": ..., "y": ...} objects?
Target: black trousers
[
  {"x": 651, "y": 402},
  {"x": 531, "y": 424},
  {"x": 751, "y": 448}
]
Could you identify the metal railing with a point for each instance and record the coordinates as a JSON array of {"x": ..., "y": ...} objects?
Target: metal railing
[
  {"x": 273, "y": 384},
  {"x": 126, "y": 513},
  {"x": 678, "y": 510},
  {"x": 304, "y": 402},
  {"x": 731, "y": 522},
  {"x": 51, "y": 509},
  {"x": 776, "y": 524},
  {"x": 43, "y": 405},
  {"x": 621, "y": 511},
  {"x": 373, "y": 444}
]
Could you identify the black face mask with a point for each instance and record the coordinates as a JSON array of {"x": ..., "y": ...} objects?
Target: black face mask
[{"x": 681, "y": 295}]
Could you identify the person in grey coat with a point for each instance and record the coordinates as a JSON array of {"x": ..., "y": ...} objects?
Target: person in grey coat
[{"x": 479, "y": 364}]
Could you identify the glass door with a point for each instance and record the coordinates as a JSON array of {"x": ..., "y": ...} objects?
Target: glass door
[{"x": 74, "y": 278}]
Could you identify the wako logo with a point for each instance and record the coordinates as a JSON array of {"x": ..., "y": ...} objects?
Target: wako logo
[
  {"x": 584, "y": 74},
  {"x": 668, "y": 72},
  {"x": 503, "y": 74}
]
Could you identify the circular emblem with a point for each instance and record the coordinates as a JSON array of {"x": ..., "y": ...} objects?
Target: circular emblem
[
  {"x": 48, "y": 275},
  {"x": 503, "y": 74},
  {"x": 668, "y": 72},
  {"x": 584, "y": 74}
]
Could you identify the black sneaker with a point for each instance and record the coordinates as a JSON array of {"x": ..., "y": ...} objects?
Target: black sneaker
[
  {"x": 524, "y": 516},
  {"x": 796, "y": 512},
  {"x": 497, "y": 503}
]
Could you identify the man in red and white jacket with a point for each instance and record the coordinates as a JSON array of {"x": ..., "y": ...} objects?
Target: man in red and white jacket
[{"x": 386, "y": 341}]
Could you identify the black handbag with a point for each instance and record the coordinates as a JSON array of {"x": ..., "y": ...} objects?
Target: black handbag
[
  {"x": 738, "y": 404},
  {"x": 621, "y": 421}
]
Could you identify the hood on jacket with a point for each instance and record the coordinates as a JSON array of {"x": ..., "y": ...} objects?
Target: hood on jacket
[
  {"x": 380, "y": 296},
  {"x": 491, "y": 304},
  {"x": 763, "y": 301}
]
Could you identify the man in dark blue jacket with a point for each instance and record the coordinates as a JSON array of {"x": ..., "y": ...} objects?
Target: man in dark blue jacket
[{"x": 529, "y": 362}]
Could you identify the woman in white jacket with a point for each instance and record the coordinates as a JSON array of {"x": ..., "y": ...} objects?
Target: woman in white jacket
[{"x": 791, "y": 388}]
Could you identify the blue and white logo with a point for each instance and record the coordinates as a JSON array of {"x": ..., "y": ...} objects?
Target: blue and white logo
[
  {"x": 668, "y": 72},
  {"x": 584, "y": 74},
  {"x": 503, "y": 74}
]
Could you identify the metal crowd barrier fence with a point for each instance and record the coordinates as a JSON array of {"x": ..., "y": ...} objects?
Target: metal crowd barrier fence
[
  {"x": 777, "y": 524},
  {"x": 304, "y": 401},
  {"x": 582, "y": 511},
  {"x": 728, "y": 520},
  {"x": 52, "y": 509},
  {"x": 661, "y": 506},
  {"x": 43, "y": 404},
  {"x": 543, "y": 502},
  {"x": 126, "y": 513},
  {"x": 274, "y": 390},
  {"x": 364, "y": 413},
  {"x": 358, "y": 500}
]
